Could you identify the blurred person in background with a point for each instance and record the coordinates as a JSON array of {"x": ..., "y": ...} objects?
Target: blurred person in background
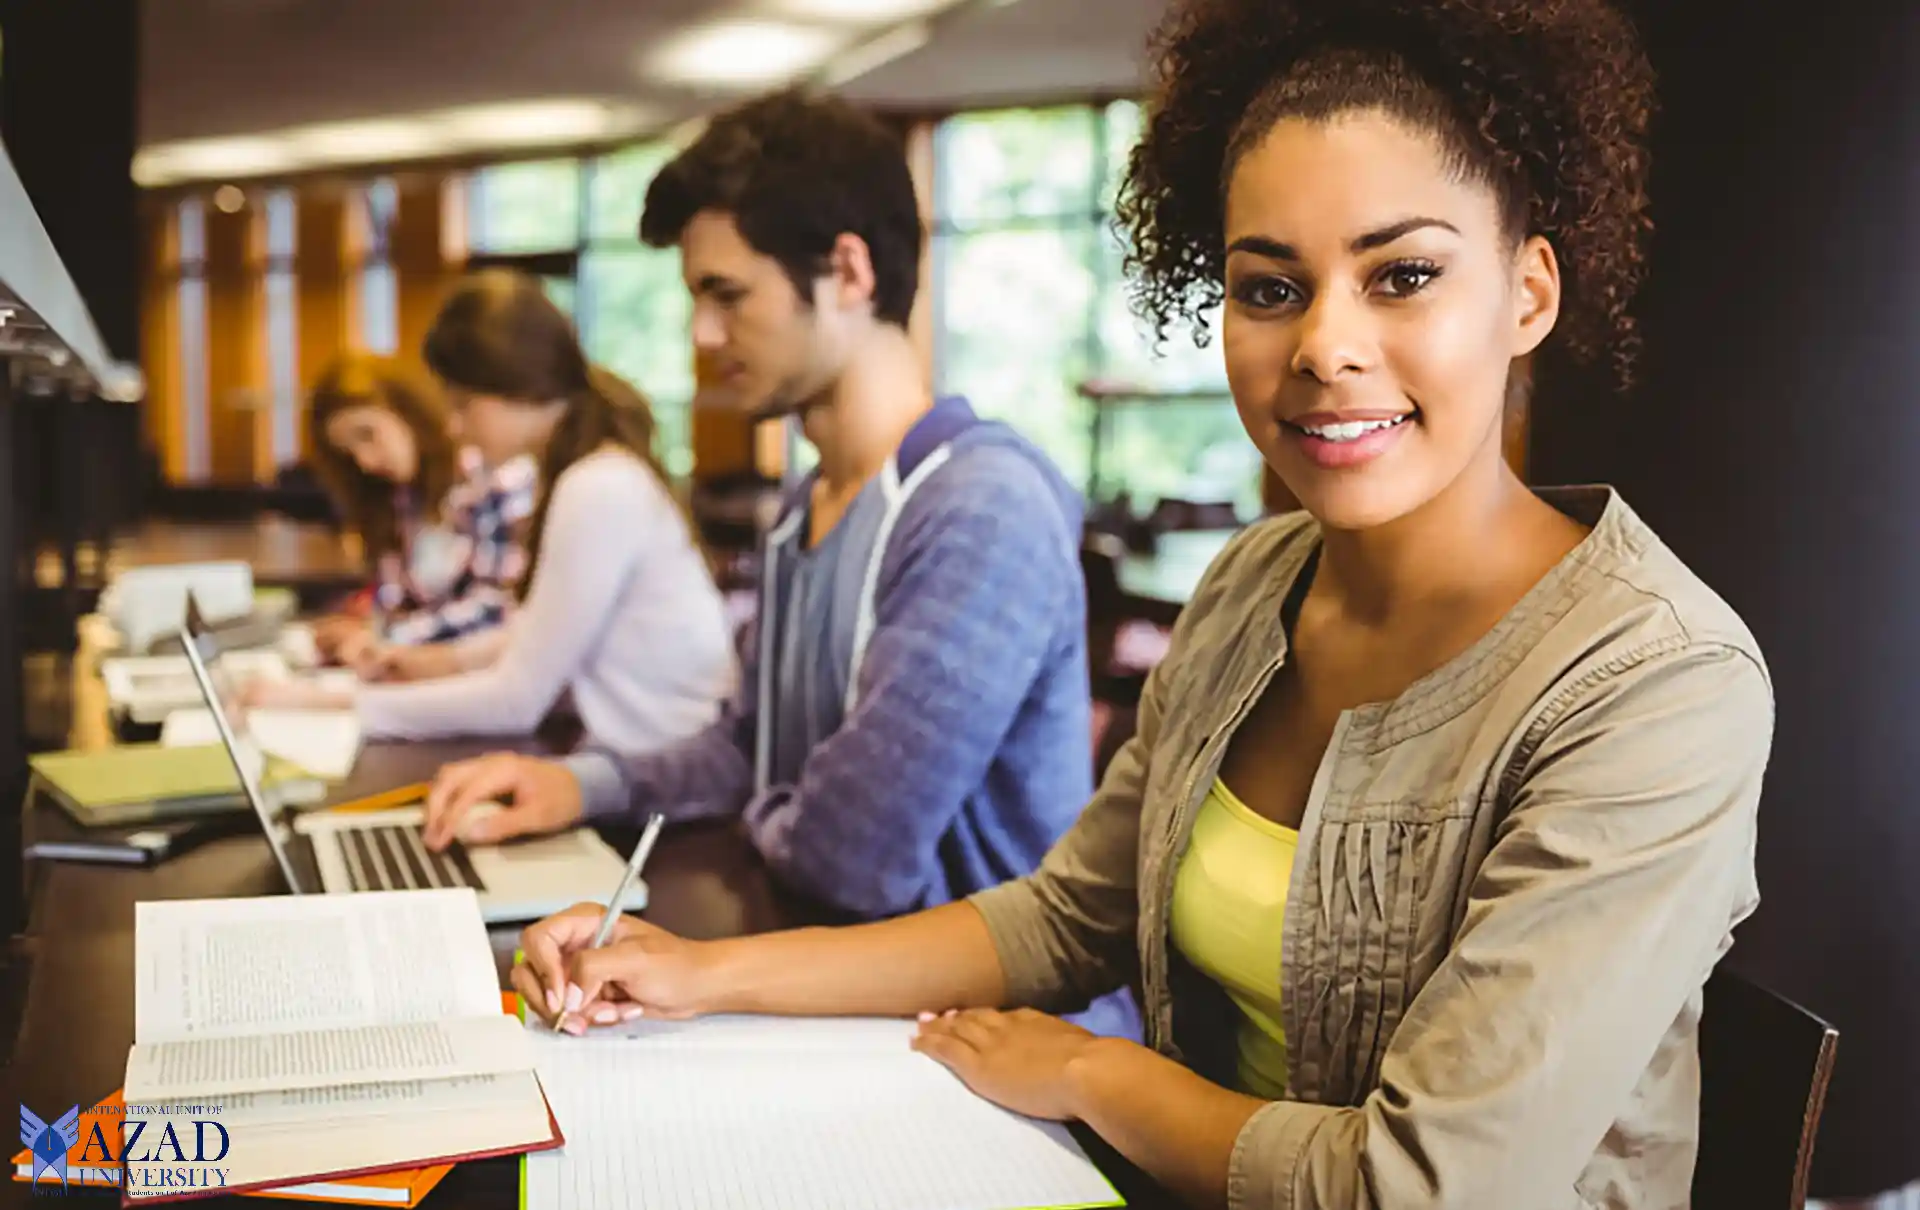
[
  {"x": 617, "y": 612},
  {"x": 913, "y": 724},
  {"x": 441, "y": 528}
]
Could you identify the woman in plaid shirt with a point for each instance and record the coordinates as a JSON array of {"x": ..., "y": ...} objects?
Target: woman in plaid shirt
[
  {"x": 443, "y": 532},
  {"x": 618, "y": 617}
]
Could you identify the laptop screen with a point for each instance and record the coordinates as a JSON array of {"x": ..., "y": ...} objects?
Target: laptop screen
[{"x": 203, "y": 653}]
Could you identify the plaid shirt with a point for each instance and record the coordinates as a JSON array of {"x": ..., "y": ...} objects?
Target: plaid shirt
[{"x": 458, "y": 577}]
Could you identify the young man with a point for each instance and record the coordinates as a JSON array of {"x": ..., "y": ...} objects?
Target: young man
[{"x": 912, "y": 724}]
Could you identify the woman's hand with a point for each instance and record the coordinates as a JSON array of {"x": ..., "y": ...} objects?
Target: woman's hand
[
  {"x": 1021, "y": 1060},
  {"x": 641, "y": 971},
  {"x": 330, "y": 632},
  {"x": 355, "y": 649}
]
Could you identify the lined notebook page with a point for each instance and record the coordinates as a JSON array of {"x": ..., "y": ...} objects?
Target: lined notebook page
[{"x": 752, "y": 1114}]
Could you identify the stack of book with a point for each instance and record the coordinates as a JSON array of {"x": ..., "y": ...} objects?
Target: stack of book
[
  {"x": 138, "y": 804},
  {"x": 94, "y": 1162},
  {"x": 335, "y": 1047}
]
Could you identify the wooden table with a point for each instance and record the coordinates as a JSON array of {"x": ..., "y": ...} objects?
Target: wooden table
[
  {"x": 283, "y": 553},
  {"x": 1157, "y": 586},
  {"x": 704, "y": 881}
]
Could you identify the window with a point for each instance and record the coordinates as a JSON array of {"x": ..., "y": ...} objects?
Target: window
[
  {"x": 193, "y": 338},
  {"x": 575, "y": 224},
  {"x": 378, "y": 312},
  {"x": 530, "y": 207},
  {"x": 1030, "y": 301},
  {"x": 282, "y": 294}
]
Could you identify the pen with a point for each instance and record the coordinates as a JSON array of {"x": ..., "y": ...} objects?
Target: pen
[{"x": 639, "y": 859}]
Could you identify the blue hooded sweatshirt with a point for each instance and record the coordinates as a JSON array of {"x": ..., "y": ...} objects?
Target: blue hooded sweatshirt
[{"x": 912, "y": 724}]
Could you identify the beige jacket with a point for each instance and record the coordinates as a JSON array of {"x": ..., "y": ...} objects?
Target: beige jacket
[{"x": 1512, "y": 882}]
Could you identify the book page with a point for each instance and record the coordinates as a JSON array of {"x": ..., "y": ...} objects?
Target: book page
[
  {"x": 203, "y": 1068},
  {"x": 683, "y": 1118},
  {"x": 225, "y": 968}
]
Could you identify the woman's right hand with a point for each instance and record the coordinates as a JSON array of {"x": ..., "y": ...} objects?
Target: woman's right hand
[
  {"x": 356, "y": 649},
  {"x": 641, "y": 971},
  {"x": 330, "y": 631}
]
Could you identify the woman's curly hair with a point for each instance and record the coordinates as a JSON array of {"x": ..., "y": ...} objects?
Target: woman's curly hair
[{"x": 1546, "y": 101}]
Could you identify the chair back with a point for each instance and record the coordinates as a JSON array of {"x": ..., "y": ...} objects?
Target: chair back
[
  {"x": 1100, "y": 556},
  {"x": 1171, "y": 515},
  {"x": 1764, "y": 1067}
]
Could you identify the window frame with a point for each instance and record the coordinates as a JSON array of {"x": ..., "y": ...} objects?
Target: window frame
[{"x": 1106, "y": 476}]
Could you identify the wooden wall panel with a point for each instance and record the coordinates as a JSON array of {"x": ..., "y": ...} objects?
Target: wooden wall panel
[
  {"x": 324, "y": 289},
  {"x": 419, "y": 258},
  {"x": 723, "y": 438},
  {"x": 236, "y": 344},
  {"x": 163, "y": 419}
]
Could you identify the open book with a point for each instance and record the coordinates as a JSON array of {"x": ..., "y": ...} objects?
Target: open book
[
  {"x": 313, "y": 1036},
  {"x": 765, "y": 1113}
]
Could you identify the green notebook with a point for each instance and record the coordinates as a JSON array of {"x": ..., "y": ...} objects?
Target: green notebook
[{"x": 141, "y": 783}]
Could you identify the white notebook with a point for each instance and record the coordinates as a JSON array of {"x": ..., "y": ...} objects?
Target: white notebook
[
  {"x": 148, "y": 688},
  {"x": 324, "y": 743},
  {"x": 324, "y": 1035},
  {"x": 765, "y": 1113}
]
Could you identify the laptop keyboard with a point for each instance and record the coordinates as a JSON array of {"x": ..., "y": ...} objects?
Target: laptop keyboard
[{"x": 395, "y": 857}]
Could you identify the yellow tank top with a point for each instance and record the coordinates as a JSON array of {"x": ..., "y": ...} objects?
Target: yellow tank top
[{"x": 1229, "y": 903}]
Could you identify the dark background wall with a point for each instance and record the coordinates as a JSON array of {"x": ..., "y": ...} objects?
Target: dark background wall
[
  {"x": 69, "y": 85},
  {"x": 1774, "y": 441},
  {"x": 69, "y": 88}
]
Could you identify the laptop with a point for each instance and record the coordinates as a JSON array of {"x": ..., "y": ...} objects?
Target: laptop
[{"x": 342, "y": 852}]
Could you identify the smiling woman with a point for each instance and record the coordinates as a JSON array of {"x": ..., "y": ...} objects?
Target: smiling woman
[{"x": 1442, "y": 804}]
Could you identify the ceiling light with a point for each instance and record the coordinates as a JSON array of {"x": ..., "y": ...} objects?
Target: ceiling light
[
  {"x": 859, "y": 12},
  {"x": 361, "y": 142},
  {"x": 201, "y": 159},
  {"x": 869, "y": 56},
  {"x": 475, "y": 129},
  {"x": 530, "y": 123},
  {"x": 741, "y": 54}
]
